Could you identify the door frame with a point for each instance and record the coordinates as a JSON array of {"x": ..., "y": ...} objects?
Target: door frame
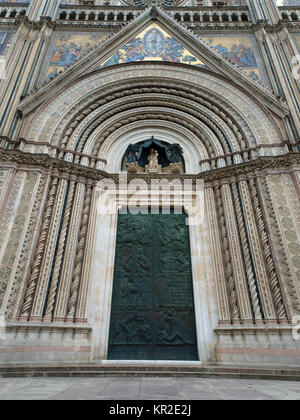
[{"x": 102, "y": 270}]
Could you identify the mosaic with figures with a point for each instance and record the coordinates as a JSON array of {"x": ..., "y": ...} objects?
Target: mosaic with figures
[
  {"x": 68, "y": 48},
  {"x": 153, "y": 44},
  {"x": 239, "y": 49}
]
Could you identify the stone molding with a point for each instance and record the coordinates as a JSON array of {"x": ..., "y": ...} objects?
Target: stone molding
[
  {"x": 224, "y": 116},
  {"x": 46, "y": 164}
]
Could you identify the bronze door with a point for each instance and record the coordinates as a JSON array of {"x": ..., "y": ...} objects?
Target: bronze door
[{"x": 152, "y": 314}]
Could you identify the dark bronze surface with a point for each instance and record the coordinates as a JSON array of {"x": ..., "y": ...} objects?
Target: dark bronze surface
[{"x": 152, "y": 316}]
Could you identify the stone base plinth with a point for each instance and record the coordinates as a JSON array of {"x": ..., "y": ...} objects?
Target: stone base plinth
[
  {"x": 263, "y": 344},
  {"x": 155, "y": 369},
  {"x": 33, "y": 343},
  {"x": 41, "y": 342}
]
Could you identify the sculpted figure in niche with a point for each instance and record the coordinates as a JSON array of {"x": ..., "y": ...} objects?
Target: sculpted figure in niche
[
  {"x": 153, "y": 159},
  {"x": 153, "y": 156}
]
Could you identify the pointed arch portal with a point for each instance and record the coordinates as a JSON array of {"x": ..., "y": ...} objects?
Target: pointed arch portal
[{"x": 217, "y": 124}]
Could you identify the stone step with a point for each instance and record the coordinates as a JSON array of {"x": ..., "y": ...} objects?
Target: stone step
[{"x": 92, "y": 370}]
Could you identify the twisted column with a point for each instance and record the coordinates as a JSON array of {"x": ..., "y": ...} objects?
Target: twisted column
[
  {"x": 35, "y": 269},
  {"x": 227, "y": 260},
  {"x": 274, "y": 281},
  {"x": 79, "y": 255},
  {"x": 246, "y": 254},
  {"x": 67, "y": 266},
  {"x": 212, "y": 218},
  {"x": 21, "y": 275},
  {"x": 59, "y": 253},
  {"x": 80, "y": 313}
]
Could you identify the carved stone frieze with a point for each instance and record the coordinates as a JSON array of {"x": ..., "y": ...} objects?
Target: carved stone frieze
[
  {"x": 39, "y": 252},
  {"x": 46, "y": 164}
]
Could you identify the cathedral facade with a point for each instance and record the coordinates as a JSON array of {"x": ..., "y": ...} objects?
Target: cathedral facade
[{"x": 150, "y": 181}]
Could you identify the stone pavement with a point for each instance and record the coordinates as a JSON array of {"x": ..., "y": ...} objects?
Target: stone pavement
[{"x": 140, "y": 388}]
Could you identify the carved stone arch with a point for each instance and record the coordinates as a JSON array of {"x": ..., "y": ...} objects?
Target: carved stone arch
[
  {"x": 209, "y": 122},
  {"x": 256, "y": 123},
  {"x": 189, "y": 105},
  {"x": 204, "y": 133},
  {"x": 199, "y": 100}
]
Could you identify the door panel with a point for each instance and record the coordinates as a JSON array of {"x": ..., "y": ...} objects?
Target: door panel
[{"x": 152, "y": 314}]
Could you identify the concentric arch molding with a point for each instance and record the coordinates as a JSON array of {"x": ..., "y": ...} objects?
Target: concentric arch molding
[{"x": 44, "y": 121}]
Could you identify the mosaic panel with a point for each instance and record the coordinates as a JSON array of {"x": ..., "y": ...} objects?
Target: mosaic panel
[
  {"x": 153, "y": 44},
  {"x": 67, "y": 47},
  {"x": 239, "y": 49}
]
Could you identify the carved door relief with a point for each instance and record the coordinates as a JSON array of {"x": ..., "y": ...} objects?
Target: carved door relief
[{"x": 152, "y": 314}]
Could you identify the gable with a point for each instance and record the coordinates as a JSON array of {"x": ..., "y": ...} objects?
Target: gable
[{"x": 169, "y": 41}]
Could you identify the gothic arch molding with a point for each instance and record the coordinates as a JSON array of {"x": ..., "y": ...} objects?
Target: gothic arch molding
[
  {"x": 113, "y": 148},
  {"x": 239, "y": 113},
  {"x": 166, "y": 104},
  {"x": 178, "y": 95},
  {"x": 205, "y": 135}
]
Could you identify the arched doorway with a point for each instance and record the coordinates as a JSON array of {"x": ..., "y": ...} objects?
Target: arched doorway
[{"x": 216, "y": 123}]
